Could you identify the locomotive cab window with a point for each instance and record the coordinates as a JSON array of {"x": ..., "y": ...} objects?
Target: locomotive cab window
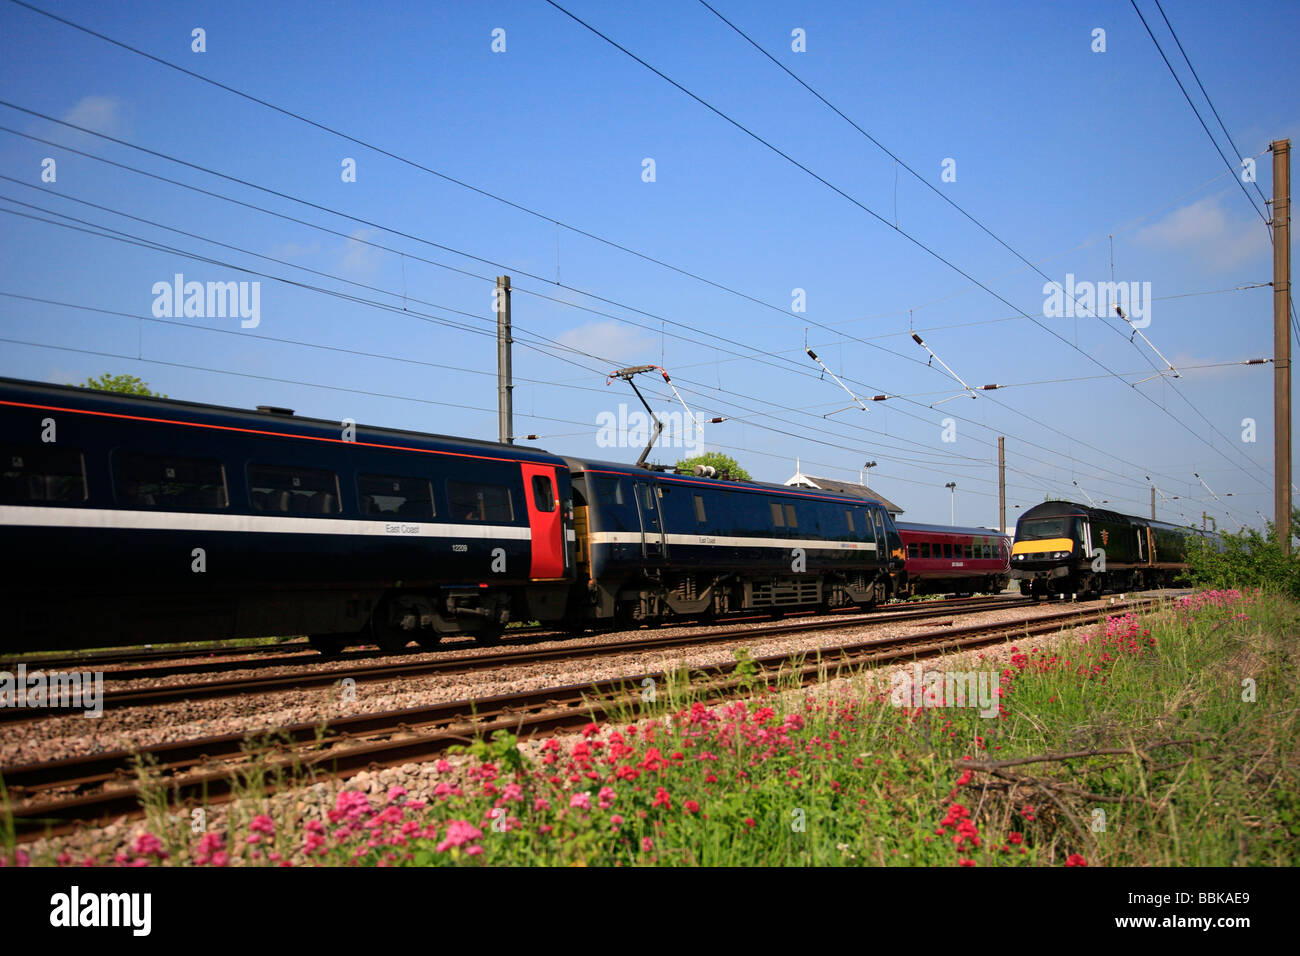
[
  {"x": 386, "y": 496},
  {"x": 475, "y": 502},
  {"x": 304, "y": 491},
  {"x": 44, "y": 474},
  {"x": 543, "y": 493},
  {"x": 167, "y": 481},
  {"x": 700, "y": 515}
]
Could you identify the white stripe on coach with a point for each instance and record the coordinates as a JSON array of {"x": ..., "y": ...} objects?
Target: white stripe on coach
[
  {"x": 31, "y": 516},
  {"x": 728, "y": 541}
]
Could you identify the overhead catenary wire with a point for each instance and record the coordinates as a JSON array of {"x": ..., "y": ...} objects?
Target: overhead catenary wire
[
  {"x": 871, "y": 212},
  {"x": 803, "y": 436},
  {"x": 429, "y": 242},
  {"x": 494, "y": 197}
]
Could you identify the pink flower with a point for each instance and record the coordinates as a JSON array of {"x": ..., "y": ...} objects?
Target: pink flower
[
  {"x": 513, "y": 792},
  {"x": 606, "y": 796},
  {"x": 395, "y": 793},
  {"x": 262, "y": 824},
  {"x": 459, "y": 832},
  {"x": 211, "y": 849},
  {"x": 541, "y": 804},
  {"x": 647, "y": 844},
  {"x": 580, "y": 800},
  {"x": 692, "y": 806},
  {"x": 146, "y": 844}
]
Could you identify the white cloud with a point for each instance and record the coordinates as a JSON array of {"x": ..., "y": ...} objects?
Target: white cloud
[
  {"x": 103, "y": 114},
  {"x": 611, "y": 341},
  {"x": 1204, "y": 230},
  {"x": 360, "y": 259}
]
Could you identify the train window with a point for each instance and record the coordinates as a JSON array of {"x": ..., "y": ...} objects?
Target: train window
[
  {"x": 913, "y": 550},
  {"x": 966, "y": 551},
  {"x": 925, "y": 549},
  {"x": 166, "y": 481},
  {"x": 848, "y": 516},
  {"x": 947, "y": 549},
  {"x": 41, "y": 473},
  {"x": 543, "y": 493},
  {"x": 385, "y": 496},
  {"x": 791, "y": 520},
  {"x": 609, "y": 491},
  {"x": 480, "y": 502},
  {"x": 778, "y": 515},
  {"x": 293, "y": 490},
  {"x": 699, "y": 509}
]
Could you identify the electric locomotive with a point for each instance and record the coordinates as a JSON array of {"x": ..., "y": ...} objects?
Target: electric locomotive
[
  {"x": 1062, "y": 547},
  {"x": 653, "y": 545}
]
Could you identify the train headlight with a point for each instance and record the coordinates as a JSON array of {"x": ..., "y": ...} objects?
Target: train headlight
[{"x": 1058, "y": 555}]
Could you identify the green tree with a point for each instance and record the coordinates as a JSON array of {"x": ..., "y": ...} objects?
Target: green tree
[
  {"x": 1245, "y": 559},
  {"x": 126, "y": 384},
  {"x": 717, "y": 460}
]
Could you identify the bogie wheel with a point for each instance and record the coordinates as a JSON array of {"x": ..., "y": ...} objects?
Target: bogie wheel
[
  {"x": 330, "y": 645},
  {"x": 392, "y": 640},
  {"x": 489, "y": 635},
  {"x": 428, "y": 639}
]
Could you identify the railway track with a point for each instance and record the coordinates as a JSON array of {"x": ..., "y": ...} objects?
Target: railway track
[
  {"x": 57, "y": 796},
  {"x": 404, "y": 669},
  {"x": 216, "y": 657}
]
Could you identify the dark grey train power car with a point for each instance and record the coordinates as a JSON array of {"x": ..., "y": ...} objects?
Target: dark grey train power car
[{"x": 1066, "y": 548}]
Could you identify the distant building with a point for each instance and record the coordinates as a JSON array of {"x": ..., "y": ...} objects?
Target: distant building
[{"x": 800, "y": 480}]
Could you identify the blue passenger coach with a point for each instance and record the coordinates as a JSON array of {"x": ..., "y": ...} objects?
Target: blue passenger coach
[{"x": 127, "y": 519}]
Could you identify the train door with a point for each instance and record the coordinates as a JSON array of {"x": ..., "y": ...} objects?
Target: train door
[
  {"x": 545, "y": 521},
  {"x": 652, "y": 526}
]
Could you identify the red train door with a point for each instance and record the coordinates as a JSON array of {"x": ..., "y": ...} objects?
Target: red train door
[{"x": 544, "y": 520}]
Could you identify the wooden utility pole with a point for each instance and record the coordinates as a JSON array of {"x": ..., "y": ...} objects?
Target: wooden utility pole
[
  {"x": 505, "y": 386},
  {"x": 1153, "y": 502},
  {"x": 1282, "y": 341},
  {"x": 1002, "y": 485}
]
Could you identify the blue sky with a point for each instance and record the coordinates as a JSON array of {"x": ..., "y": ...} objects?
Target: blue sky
[{"x": 1056, "y": 149}]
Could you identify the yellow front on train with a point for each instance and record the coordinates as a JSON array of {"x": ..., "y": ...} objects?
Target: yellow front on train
[{"x": 1042, "y": 546}]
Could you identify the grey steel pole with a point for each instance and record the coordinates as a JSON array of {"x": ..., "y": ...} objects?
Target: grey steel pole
[
  {"x": 505, "y": 385},
  {"x": 1282, "y": 341}
]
